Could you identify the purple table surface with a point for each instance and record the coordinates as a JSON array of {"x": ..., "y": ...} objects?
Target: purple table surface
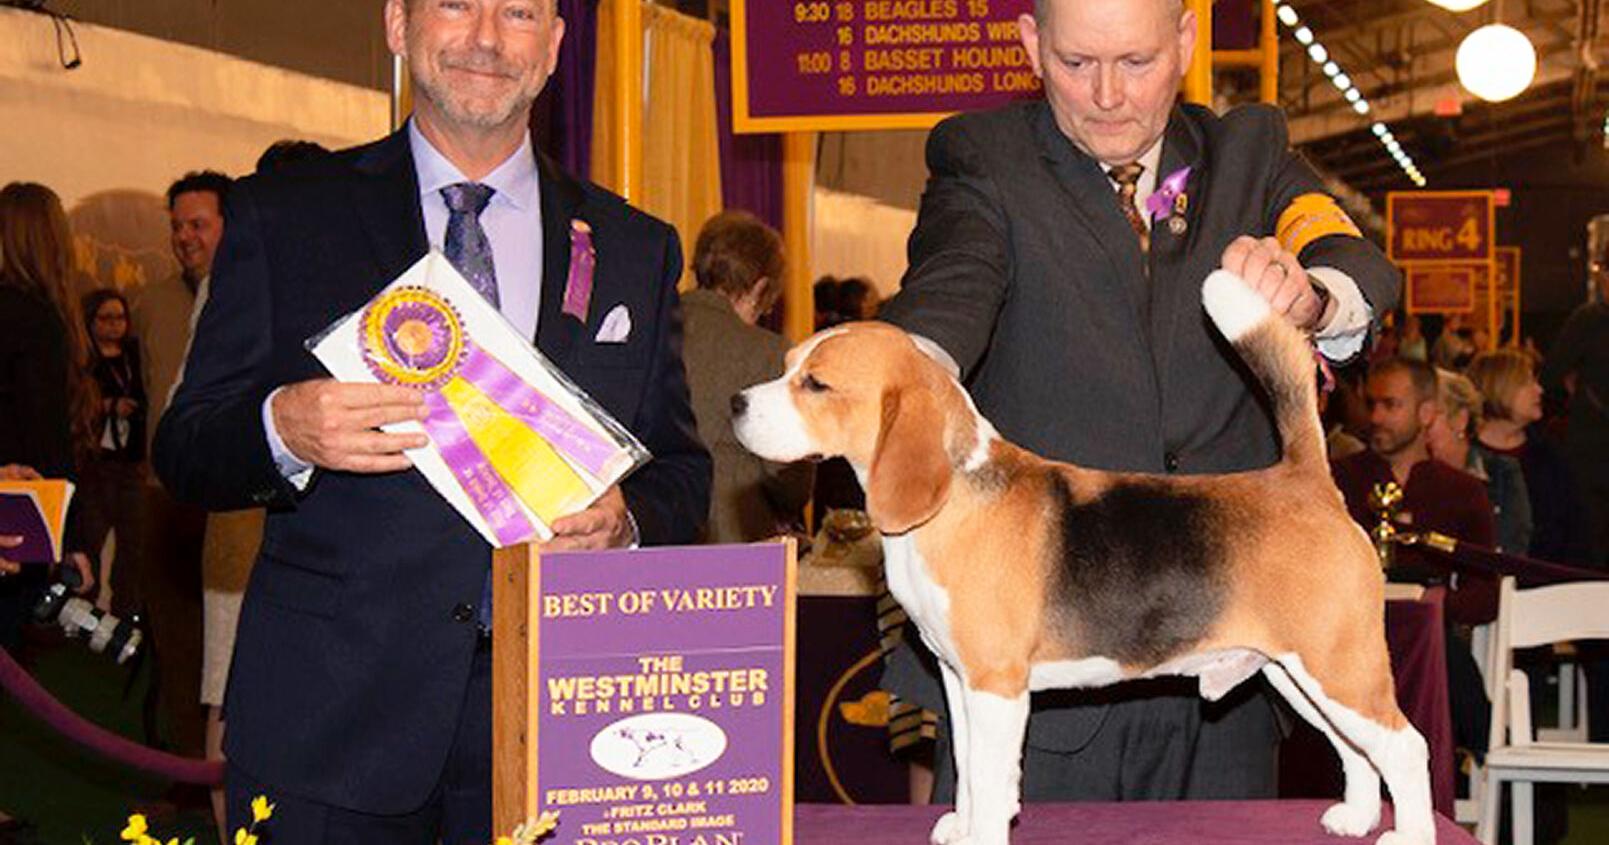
[{"x": 1137, "y": 823}]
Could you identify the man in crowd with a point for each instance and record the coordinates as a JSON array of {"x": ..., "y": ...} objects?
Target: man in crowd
[
  {"x": 1059, "y": 252},
  {"x": 738, "y": 263},
  {"x": 359, "y": 698},
  {"x": 163, "y": 316},
  {"x": 1403, "y": 400}
]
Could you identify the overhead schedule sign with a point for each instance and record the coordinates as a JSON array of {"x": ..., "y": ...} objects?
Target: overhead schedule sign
[
  {"x": 1440, "y": 226},
  {"x": 826, "y": 65}
]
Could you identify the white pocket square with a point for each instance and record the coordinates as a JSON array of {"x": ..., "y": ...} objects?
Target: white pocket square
[{"x": 616, "y": 326}]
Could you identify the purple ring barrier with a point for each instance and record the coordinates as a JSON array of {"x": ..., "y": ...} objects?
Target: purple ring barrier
[
  {"x": 1528, "y": 570},
  {"x": 38, "y": 701}
]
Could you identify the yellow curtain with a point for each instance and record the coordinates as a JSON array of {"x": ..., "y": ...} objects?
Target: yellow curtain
[
  {"x": 603, "y": 99},
  {"x": 681, "y": 151}
]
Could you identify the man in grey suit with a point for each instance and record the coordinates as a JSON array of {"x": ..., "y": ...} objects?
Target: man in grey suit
[
  {"x": 738, "y": 262},
  {"x": 1058, "y": 258}
]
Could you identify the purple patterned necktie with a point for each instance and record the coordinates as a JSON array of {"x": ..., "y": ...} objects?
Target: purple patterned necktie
[
  {"x": 471, "y": 254},
  {"x": 466, "y": 245}
]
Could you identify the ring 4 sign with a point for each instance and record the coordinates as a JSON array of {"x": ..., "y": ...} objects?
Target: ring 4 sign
[{"x": 1439, "y": 226}]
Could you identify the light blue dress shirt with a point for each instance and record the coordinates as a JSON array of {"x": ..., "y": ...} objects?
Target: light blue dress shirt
[{"x": 513, "y": 224}]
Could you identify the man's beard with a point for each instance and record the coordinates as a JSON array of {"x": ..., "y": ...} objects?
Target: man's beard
[
  {"x": 458, "y": 107},
  {"x": 1393, "y": 443}
]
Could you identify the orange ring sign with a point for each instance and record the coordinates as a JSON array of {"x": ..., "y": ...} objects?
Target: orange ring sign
[{"x": 1433, "y": 226}]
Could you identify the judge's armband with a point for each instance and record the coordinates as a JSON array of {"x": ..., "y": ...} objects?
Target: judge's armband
[{"x": 1310, "y": 217}]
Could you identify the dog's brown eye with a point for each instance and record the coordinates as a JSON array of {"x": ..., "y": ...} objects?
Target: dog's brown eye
[{"x": 810, "y": 383}]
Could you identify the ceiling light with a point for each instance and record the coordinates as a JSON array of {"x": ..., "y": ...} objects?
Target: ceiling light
[
  {"x": 1317, "y": 53},
  {"x": 1342, "y": 81},
  {"x": 1304, "y": 35},
  {"x": 1380, "y": 130},
  {"x": 1459, "y": 5},
  {"x": 1361, "y": 106},
  {"x": 1352, "y": 95},
  {"x": 1287, "y": 15},
  {"x": 1331, "y": 69},
  {"x": 1496, "y": 62}
]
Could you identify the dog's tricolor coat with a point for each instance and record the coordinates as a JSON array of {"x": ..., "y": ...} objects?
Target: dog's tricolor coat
[{"x": 1025, "y": 574}]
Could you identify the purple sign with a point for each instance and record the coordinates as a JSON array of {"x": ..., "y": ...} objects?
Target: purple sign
[
  {"x": 664, "y": 709},
  {"x": 874, "y": 64}
]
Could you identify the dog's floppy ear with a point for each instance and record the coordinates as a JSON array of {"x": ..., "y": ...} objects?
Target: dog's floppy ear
[{"x": 910, "y": 471}]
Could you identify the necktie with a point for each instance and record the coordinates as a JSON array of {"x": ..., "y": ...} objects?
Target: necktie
[
  {"x": 1127, "y": 177},
  {"x": 466, "y": 244},
  {"x": 471, "y": 254}
]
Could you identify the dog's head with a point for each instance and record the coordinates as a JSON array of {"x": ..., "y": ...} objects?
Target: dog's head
[{"x": 869, "y": 393}]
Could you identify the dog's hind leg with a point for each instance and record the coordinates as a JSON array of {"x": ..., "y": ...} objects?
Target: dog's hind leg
[
  {"x": 1368, "y": 718},
  {"x": 1359, "y": 812}
]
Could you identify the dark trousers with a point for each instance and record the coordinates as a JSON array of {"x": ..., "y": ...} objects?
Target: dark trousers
[
  {"x": 458, "y": 811},
  {"x": 171, "y": 591}
]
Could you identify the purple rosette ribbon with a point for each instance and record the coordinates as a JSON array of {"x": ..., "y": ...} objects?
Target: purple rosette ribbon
[
  {"x": 1162, "y": 202},
  {"x": 412, "y": 336}
]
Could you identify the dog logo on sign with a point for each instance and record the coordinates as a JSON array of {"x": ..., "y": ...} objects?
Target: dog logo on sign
[{"x": 657, "y": 746}]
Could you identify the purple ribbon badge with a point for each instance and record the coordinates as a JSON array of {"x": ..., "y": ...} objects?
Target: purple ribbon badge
[
  {"x": 1169, "y": 197},
  {"x": 578, "y": 287}
]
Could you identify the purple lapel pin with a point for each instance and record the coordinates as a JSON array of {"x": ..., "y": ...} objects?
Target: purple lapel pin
[{"x": 1169, "y": 199}]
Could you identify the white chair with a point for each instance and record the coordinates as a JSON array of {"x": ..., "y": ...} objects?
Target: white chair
[{"x": 1525, "y": 619}]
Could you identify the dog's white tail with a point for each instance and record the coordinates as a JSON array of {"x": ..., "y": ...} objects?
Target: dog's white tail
[{"x": 1277, "y": 354}]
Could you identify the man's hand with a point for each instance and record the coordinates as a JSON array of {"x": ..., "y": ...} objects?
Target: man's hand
[
  {"x": 86, "y": 573},
  {"x": 333, "y": 425},
  {"x": 605, "y": 525},
  {"x": 1278, "y": 277},
  {"x": 13, "y": 472},
  {"x": 9, "y": 541}
]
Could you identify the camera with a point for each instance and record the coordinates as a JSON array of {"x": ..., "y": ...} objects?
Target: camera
[{"x": 106, "y": 634}]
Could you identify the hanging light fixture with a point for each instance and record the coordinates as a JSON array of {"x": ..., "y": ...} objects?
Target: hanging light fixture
[
  {"x": 1496, "y": 62},
  {"x": 1458, "y": 5}
]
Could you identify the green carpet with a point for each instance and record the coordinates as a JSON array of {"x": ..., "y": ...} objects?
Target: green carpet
[{"x": 71, "y": 796}]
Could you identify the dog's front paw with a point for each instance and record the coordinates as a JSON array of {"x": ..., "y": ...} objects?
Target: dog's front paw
[
  {"x": 1397, "y": 837},
  {"x": 1347, "y": 820},
  {"x": 950, "y": 829}
]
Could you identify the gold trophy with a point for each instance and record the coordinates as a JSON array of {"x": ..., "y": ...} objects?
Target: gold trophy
[{"x": 1385, "y": 500}]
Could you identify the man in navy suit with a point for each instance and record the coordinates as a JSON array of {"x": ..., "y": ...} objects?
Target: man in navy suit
[{"x": 359, "y": 699}]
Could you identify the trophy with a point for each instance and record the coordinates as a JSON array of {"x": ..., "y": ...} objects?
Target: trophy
[{"x": 1385, "y": 500}]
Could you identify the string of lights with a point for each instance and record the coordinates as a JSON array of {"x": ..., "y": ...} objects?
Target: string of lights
[{"x": 1321, "y": 57}]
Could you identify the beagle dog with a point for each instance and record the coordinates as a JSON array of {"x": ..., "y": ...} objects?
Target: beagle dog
[{"x": 1025, "y": 574}]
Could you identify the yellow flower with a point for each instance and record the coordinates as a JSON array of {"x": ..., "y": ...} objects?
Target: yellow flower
[
  {"x": 261, "y": 809},
  {"x": 244, "y": 838},
  {"x": 136, "y": 828},
  {"x": 534, "y": 829},
  {"x": 504, "y": 840}
]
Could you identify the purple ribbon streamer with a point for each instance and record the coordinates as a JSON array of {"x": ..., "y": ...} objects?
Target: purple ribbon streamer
[
  {"x": 539, "y": 413},
  {"x": 578, "y": 287},
  {"x": 1160, "y": 202},
  {"x": 487, "y": 491}
]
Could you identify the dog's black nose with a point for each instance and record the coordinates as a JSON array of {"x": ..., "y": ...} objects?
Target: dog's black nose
[{"x": 740, "y": 403}]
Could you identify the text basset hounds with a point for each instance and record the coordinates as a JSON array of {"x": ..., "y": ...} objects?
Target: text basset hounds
[{"x": 1026, "y": 574}]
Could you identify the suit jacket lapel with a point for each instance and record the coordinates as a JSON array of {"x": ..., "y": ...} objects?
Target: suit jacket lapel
[
  {"x": 561, "y": 202},
  {"x": 1094, "y": 202},
  {"x": 1171, "y": 293},
  {"x": 387, "y": 203}
]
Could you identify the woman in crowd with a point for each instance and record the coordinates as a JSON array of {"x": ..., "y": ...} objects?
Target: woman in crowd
[
  {"x": 112, "y": 475},
  {"x": 46, "y": 402},
  {"x": 1512, "y": 405},
  {"x": 1452, "y": 438}
]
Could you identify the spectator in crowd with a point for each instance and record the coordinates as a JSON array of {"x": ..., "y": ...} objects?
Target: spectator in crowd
[
  {"x": 1579, "y": 365},
  {"x": 47, "y": 401},
  {"x": 285, "y": 153},
  {"x": 1032, "y": 265},
  {"x": 1507, "y": 380},
  {"x": 164, "y": 315},
  {"x": 857, "y": 300},
  {"x": 1411, "y": 339},
  {"x": 1403, "y": 405},
  {"x": 113, "y": 474},
  {"x": 824, "y": 295},
  {"x": 738, "y": 263},
  {"x": 1455, "y": 347},
  {"x": 1451, "y": 438}
]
